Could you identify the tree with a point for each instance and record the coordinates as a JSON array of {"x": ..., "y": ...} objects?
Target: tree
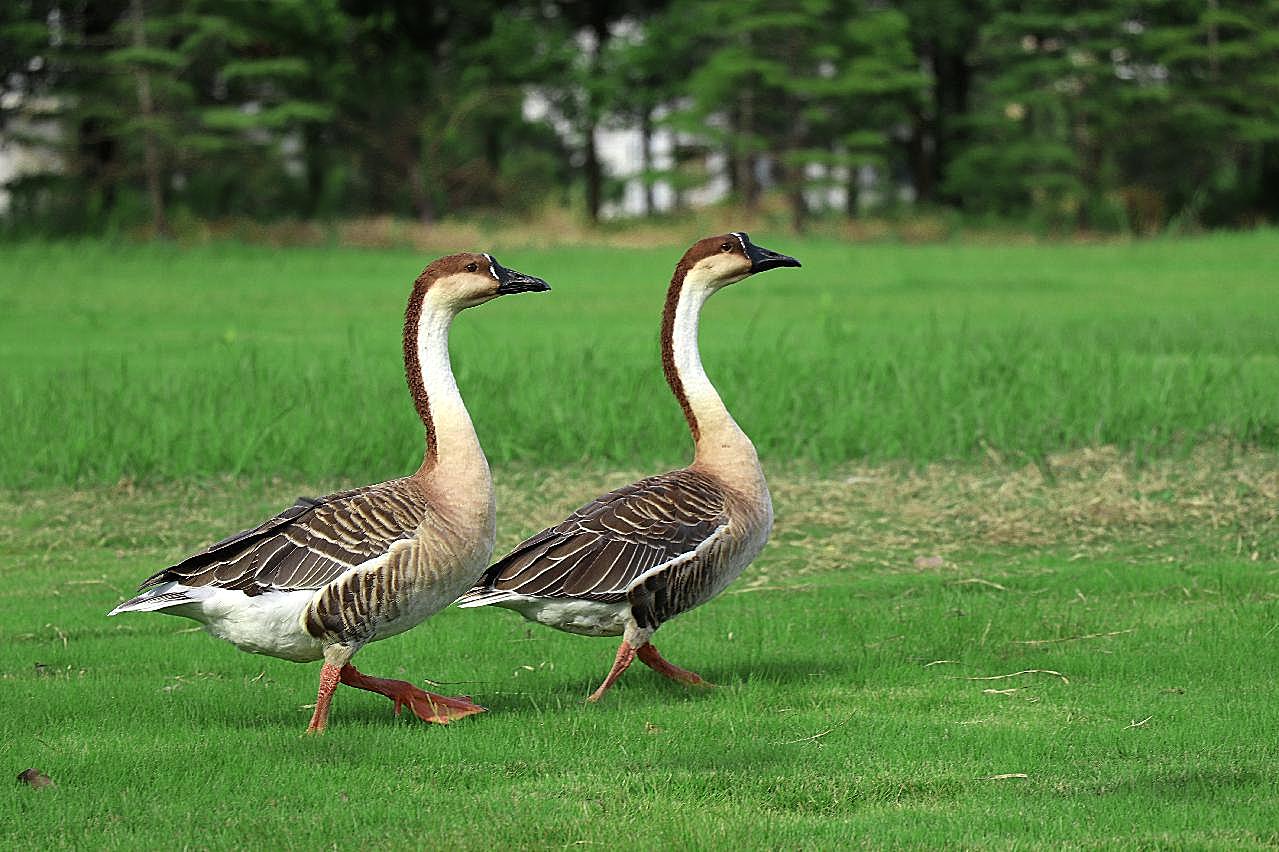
[
  {"x": 944, "y": 35},
  {"x": 1159, "y": 107},
  {"x": 642, "y": 73},
  {"x": 1201, "y": 104},
  {"x": 811, "y": 89}
]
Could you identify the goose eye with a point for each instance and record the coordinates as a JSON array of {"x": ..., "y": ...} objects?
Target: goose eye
[
  {"x": 726, "y": 247},
  {"x": 472, "y": 267}
]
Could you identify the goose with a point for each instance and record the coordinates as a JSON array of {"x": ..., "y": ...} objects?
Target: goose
[
  {"x": 328, "y": 575},
  {"x": 634, "y": 558}
]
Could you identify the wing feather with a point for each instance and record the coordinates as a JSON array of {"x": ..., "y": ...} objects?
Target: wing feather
[
  {"x": 606, "y": 546},
  {"x": 309, "y": 544}
]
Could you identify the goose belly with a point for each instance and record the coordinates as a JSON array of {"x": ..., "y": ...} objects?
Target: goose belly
[
  {"x": 573, "y": 615},
  {"x": 269, "y": 623}
]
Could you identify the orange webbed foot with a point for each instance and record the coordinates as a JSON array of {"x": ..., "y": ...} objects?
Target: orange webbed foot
[
  {"x": 427, "y": 706},
  {"x": 649, "y": 656}
]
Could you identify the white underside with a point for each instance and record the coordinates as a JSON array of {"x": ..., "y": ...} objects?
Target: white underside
[
  {"x": 269, "y": 623},
  {"x": 573, "y": 615}
]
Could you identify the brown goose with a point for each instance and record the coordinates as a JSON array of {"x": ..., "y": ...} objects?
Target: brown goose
[
  {"x": 636, "y": 557},
  {"x": 328, "y": 575}
]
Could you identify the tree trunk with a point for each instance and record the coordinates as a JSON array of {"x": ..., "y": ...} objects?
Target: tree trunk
[
  {"x": 316, "y": 168},
  {"x": 594, "y": 172},
  {"x": 747, "y": 185},
  {"x": 798, "y": 206},
  {"x": 98, "y": 148},
  {"x": 646, "y": 159},
  {"x": 423, "y": 207},
  {"x": 851, "y": 208},
  {"x": 594, "y": 178},
  {"x": 794, "y": 173},
  {"x": 150, "y": 148},
  {"x": 921, "y": 167},
  {"x": 950, "y": 105}
]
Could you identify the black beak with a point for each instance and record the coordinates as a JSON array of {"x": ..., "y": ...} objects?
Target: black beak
[
  {"x": 763, "y": 259},
  {"x": 509, "y": 281}
]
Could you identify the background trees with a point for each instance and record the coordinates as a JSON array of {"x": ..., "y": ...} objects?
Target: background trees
[{"x": 1114, "y": 114}]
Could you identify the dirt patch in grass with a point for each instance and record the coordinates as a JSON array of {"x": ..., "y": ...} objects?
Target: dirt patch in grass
[
  {"x": 1088, "y": 503},
  {"x": 1091, "y": 503}
]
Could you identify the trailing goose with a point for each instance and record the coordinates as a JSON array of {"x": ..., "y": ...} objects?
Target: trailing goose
[
  {"x": 329, "y": 575},
  {"x": 637, "y": 557}
]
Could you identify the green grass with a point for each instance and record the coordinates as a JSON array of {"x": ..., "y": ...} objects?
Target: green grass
[
  {"x": 845, "y": 713},
  {"x": 156, "y": 362},
  {"x": 907, "y": 401}
]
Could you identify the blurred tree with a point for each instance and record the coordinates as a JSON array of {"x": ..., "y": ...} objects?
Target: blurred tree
[
  {"x": 42, "y": 51},
  {"x": 1044, "y": 92},
  {"x": 944, "y": 36},
  {"x": 163, "y": 93},
  {"x": 1200, "y": 96},
  {"x": 817, "y": 87},
  {"x": 1098, "y": 113},
  {"x": 873, "y": 86},
  {"x": 585, "y": 95},
  {"x": 1133, "y": 110},
  {"x": 642, "y": 73}
]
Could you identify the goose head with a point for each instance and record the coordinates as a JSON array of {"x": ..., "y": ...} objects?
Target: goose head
[
  {"x": 716, "y": 262},
  {"x": 461, "y": 281}
]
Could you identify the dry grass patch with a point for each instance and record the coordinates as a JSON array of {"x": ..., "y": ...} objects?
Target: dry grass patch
[
  {"x": 1089, "y": 503},
  {"x": 1085, "y": 504}
]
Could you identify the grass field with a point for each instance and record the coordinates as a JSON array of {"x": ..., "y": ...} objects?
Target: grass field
[
  {"x": 164, "y": 363},
  {"x": 1023, "y": 588}
]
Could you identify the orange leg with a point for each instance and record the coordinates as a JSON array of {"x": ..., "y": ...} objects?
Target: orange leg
[
  {"x": 329, "y": 677},
  {"x": 427, "y": 706},
  {"x": 625, "y": 655},
  {"x": 648, "y": 656}
]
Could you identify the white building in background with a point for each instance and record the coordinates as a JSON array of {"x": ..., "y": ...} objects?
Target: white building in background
[
  {"x": 17, "y": 157},
  {"x": 620, "y": 149},
  {"x": 621, "y": 154}
]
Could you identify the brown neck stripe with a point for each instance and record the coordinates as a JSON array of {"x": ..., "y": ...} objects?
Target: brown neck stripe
[
  {"x": 668, "y": 346},
  {"x": 413, "y": 369}
]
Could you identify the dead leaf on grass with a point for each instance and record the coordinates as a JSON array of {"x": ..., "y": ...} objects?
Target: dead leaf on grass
[{"x": 35, "y": 779}]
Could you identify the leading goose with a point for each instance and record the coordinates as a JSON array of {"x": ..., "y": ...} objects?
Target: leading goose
[
  {"x": 636, "y": 557},
  {"x": 327, "y": 576}
]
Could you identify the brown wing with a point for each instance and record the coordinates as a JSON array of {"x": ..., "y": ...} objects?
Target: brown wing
[
  {"x": 309, "y": 544},
  {"x": 603, "y": 548}
]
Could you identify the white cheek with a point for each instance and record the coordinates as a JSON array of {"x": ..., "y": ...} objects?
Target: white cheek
[
  {"x": 721, "y": 269},
  {"x": 710, "y": 267}
]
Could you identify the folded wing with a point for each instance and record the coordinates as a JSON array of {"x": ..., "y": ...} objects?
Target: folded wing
[
  {"x": 604, "y": 548},
  {"x": 308, "y": 545}
]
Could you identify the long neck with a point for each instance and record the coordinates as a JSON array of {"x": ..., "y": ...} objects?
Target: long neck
[
  {"x": 718, "y": 438},
  {"x": 452, "y": 448}
]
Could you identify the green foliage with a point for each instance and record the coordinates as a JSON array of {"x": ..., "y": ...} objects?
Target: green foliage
[
  {"x": 1168, "y": 104},
  {"x": 1166, "y": 110}
]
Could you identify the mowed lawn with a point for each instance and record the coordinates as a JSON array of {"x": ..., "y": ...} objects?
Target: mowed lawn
[{"x": 1023, "y": 588}]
